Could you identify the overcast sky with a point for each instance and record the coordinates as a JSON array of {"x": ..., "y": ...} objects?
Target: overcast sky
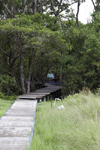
[{"x": 85, "y": 11}]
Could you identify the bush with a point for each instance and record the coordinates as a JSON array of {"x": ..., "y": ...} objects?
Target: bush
[
  {"x": 3, "y": 96},
  {"x": 7, "y": 84}
]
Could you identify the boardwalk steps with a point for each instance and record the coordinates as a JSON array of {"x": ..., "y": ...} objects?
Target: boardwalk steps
[{"x": 16, "y": 126}]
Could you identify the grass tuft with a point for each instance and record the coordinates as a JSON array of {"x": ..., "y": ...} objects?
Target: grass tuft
[
  {"x": 77, "y": 127},
  {"x": 4, "y": 106}
]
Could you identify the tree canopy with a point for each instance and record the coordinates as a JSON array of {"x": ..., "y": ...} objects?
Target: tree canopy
[{"x": 36, "y": 39}]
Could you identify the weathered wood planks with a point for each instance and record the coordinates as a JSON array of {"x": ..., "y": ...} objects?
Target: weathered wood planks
[{"x": 42, "y": 93}]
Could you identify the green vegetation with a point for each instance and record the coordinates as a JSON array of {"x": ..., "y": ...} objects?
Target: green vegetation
[
  {"x": 4, "y": 106},
  {"x": 36, "y": 38},
  {"x": 34, "y": 42},
  {"x": 4, "y": 97},
  {"x": 77, "y": 127}
]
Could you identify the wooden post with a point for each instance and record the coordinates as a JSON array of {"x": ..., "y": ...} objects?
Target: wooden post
[
  {"x": 28, "y": 87},
  {"x": 44, "y": 99},
  {"x": 50, "y": 96},
  {"x": 51, "y": 102},
  {"x": 47, "y": 98}
]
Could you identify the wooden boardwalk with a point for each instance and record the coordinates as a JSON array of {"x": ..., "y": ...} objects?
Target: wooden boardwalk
[
  {"x": 16, "y": 126},
  {"x": 50, "y": 91}
]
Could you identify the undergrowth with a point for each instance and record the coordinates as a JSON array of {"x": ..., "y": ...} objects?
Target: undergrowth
[{"x": 5, "y": 97}]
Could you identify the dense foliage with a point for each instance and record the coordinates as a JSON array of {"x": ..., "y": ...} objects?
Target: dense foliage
[{"x": 35, "y": 39}]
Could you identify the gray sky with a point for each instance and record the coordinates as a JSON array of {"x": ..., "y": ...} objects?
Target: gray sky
[{"x": 85, "y": 11}]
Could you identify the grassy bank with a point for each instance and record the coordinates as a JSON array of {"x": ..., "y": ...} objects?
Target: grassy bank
[
  {"x": 77, "y": 127},
  {"x": 4, "y": 106}
]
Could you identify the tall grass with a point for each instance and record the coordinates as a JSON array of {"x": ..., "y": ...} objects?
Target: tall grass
[
  {"x": 4, "y": 106},
  {"x": 77, "y": 127}
]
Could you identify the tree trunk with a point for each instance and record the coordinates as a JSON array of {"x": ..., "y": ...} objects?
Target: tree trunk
[
  {"x": 31, "y": 65},
  {"x": 42, "y": 3},
  {"x": 35, "y": 6},
  {"x": 22, "y": 73},
  {"x": 60, "y": 76},
  {"x": 93, "y": 4},
  {"x": 98, "y": 5},
  {"x": 30, "y": 70},
  {"x": 28, "y": 87},
  {"x": 78, "y": 6}
]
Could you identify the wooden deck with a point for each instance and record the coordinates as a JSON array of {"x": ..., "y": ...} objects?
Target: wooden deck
[
  {"x": 50, "y": 91},
  {"x": 16, "y": 126}
]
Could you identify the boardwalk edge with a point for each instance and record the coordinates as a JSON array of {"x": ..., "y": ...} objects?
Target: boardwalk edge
[{"x": 33, "y": 125}]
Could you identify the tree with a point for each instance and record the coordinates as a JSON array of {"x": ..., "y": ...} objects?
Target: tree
[
  {"x": 78, "y": 8},
  {"x": 96, "y": 5},
  {"x": 26, "y": 45},
  {"x": 10, "y": 8}
]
